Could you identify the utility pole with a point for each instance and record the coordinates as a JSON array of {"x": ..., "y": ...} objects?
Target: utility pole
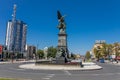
[{"x": 36, "y": 52}]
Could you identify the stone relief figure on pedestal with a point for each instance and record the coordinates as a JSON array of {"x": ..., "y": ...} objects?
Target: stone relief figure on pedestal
[{"x": 61, "y": 53}]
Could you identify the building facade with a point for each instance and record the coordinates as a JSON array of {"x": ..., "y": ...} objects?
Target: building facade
[
  {"x": 1, "y": 50},
  {"x": 16, "y": 36},
  {"x": 31, "y": 52},
  {"x": 98, "y": 44}
]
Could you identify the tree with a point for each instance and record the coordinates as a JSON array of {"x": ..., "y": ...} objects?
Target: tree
[
  {"x": 117, "y": 48},
  {"x": 87, "y": 55},
  {"x": 109, "y": 50},
  {"x": 40, "y": 53},
  {"x": 104, "y": 51},
  {"x": 97, "y": 52},
  {"x": 52, "y": 52},
  {"x": 104, "y": 48}
]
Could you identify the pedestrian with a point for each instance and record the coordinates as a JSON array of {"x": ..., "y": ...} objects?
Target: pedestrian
[
  {"x": 84, "y": 59},
  {"x": 81, "y": 65},
  {"x": 116, "y": 61}
]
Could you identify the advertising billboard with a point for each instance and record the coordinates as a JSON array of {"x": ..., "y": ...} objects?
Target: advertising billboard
[{"x": 1, "y": 49}]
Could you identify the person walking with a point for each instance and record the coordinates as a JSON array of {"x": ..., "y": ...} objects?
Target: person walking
[{"x": 81, "y": 65}]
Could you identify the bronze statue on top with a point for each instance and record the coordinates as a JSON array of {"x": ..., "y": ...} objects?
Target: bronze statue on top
[{"x": 61, "y": 25}]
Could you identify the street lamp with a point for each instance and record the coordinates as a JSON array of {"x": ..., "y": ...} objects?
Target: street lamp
[{"x": 36, "y": 52}]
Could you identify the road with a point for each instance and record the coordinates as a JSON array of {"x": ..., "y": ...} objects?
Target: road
[{"x": 109, "y": 72}]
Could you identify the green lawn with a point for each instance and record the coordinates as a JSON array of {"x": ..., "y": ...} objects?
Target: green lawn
[
  {"x": 6, "y": 79},
  {"x": 89, "y": 60}
]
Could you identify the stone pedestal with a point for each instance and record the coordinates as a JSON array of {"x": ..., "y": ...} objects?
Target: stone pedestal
[
  {"x": 62, "y": 51},
  {"x": 60, "y": 60}
]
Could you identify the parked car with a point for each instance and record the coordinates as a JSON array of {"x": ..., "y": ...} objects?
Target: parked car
[{"x": 117, "y": 58}]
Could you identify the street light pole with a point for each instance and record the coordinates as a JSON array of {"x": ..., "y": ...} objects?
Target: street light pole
[{"x": 36, "y": 52}]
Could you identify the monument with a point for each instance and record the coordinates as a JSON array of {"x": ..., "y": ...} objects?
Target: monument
[
  {"x": 62, "y": 50},
  {"x": 45, "y": 52},
  {"x": 62, "y": 54}
]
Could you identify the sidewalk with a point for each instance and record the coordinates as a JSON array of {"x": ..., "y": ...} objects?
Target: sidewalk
[
  {"x": 114, "y": 62},
  {"x": 8, "y": 62},
  {"x": 87, "y": 66}
]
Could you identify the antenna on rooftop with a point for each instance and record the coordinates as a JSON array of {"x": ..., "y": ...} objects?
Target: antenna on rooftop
[{"x": 14, "y": 13}]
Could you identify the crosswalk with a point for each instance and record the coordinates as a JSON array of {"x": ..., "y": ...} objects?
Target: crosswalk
[{"x": 47, "y": 77}]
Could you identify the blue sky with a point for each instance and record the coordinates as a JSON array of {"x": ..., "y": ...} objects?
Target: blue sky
[{"x": 86, "y": 21}]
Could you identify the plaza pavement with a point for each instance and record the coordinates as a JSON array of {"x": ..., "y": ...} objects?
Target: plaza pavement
[{"x": 87, "y": 66}]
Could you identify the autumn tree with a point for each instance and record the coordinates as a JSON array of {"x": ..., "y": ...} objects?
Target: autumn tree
[{"x": 87, "y": 55}]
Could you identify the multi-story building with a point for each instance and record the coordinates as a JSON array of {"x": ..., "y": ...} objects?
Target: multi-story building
[
  {"x": 1, "y": 50},
  {"x": 98, "y": 44},
  {"x": 16, "y": 35},
  {"x": 31, "y": 52}
]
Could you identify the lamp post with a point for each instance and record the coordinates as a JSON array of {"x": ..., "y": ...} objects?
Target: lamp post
[
  {"x": 5, "y": 52},
  {"x": 36, "y": 52}
]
